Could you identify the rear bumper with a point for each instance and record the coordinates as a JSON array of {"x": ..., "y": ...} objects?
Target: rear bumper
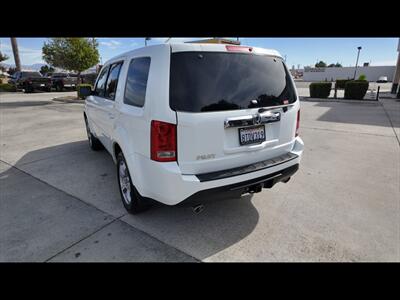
[
  {"x": 165, "y": 183},
  {"x": 237, "y": 189}
]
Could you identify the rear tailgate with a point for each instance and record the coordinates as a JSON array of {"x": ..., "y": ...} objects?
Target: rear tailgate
[
  {"x": 233, "y": 109},
  {"x": 205, "y": 145}
]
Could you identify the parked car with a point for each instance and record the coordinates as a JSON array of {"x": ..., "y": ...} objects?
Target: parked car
[
  {"x": 30, "y": 81},
  {"x": 184, "y": 122},
  {"x": 60, "y": 81},
  {"x": 382, "y": 79}
]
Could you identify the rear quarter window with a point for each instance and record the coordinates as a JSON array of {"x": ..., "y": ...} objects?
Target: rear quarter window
[{"x": 136, "y": 81}]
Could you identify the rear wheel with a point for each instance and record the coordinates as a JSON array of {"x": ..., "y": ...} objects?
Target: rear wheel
[
  {"x": 133, "y": 202},
  {"x": 94, "y": 142}
]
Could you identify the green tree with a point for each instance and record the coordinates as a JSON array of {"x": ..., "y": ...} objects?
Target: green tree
[
  {"x": 3, "y": 57},
  {"x": 11, "y": 70},
  {"x": 337, "y": 65},
  {"x": 72, "y": 54},
  {"x": 320, "y": 64},
  {"x": 46, "y": 69}
]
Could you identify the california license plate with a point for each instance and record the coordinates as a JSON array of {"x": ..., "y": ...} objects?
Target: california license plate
[{"x": 252, "y": 135}]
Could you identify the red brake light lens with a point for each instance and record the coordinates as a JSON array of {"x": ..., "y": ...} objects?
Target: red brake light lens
[
  {"x": 298, "y": 123},
  {"x": 238, "y": 48},
  {"x": 163, "y": 141}
]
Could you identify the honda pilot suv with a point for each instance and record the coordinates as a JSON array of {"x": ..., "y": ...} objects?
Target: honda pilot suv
[{"x": 189, "y": 121}]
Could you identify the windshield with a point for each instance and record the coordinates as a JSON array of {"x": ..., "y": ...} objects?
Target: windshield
[
  {"x": 215, "y": 81},
  {"x": 31, "y": 74}
]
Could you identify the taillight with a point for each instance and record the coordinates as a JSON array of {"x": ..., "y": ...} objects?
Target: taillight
[
  {"x": 239, "y": 48},
  {"x": 163, "y": 141},
  {"x": 298, "y": 123}
]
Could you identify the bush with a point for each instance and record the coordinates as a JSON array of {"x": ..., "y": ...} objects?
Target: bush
[
  {"x": 356, "y": 89},
  {"x": 6, "y": 87},
  {"x": 340, "y": 83},
  {"x": 320, "y": 89},
  {"x": 362, "y": 77},
  {"x": 81, "y": 87}
]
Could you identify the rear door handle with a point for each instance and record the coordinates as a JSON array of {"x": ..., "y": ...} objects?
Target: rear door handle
[{"x": 269, "y": 117}]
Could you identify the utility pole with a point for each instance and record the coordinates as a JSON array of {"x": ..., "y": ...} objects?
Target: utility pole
[
  {"x": 358, "y": 55},
  {"x": 14, "y": 46},
  {"x": 396, "y": 77}
]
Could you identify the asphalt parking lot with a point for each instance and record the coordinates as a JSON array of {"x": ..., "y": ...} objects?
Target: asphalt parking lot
[{"x": 60, "y": 201}]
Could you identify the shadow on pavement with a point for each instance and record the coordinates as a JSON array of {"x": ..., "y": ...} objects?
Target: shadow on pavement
[
  {"x": 91, "y": 177},
  {"x": 362, "y": 114},
  {"x": 16, "y": 104}
]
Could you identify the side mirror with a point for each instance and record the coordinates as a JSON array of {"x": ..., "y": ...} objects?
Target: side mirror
[{"x": 84, "y": 91}]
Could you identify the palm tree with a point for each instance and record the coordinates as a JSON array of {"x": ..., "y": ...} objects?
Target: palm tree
[{"x": 16, "y": 53}]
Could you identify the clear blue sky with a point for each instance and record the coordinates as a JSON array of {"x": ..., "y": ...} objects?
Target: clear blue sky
[{"x": 303, "y": 51}]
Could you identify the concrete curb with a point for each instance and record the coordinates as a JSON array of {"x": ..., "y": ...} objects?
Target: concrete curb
[
  {"x": 65, "y": 100},
  {"x": 307, "y": 99}
]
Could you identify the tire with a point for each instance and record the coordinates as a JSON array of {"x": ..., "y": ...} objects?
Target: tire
[
  {"x": 133, "y": 202},
  {"x": 28, "y": 89},
  {"x": 59, "y": 87},
  {"x": 94, "y": 142}
]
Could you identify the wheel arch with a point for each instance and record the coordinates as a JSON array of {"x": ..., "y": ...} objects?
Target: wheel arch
[{"x": 116, "y": 148}]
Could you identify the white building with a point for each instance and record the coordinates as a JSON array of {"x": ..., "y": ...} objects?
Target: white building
[{"x": 371, "y": 72}]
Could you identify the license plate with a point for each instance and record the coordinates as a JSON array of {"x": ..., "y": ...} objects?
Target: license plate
[
  {"x": 252, "y": 135},
  {"x": 42, "y": 84}
]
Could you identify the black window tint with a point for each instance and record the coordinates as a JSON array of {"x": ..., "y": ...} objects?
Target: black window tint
[
  {"x": 212, "y": 81},
  {"x": 112, "y": 81},
  {"x": 101, "y": 83},
  {"x": 136, "y": 81},
  {"x": 31, "y": 74}
]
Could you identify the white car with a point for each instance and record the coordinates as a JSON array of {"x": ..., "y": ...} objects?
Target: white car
[
  {"x": 187, "y": 121},
  {"x": 382, "y": 79}
]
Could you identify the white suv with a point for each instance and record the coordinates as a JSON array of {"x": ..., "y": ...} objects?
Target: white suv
[{"x": 186, "y": 121}]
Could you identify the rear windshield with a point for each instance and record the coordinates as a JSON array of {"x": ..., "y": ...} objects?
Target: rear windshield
[{"x": 215, "y": 81}]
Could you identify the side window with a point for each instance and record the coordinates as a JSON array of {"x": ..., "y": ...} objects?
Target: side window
[
  {"x": 112, "y": 81},
  {"x": 101, "y": 83},
  {"x": 136, "y": 81}
]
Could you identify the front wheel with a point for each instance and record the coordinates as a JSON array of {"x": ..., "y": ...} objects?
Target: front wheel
[
  {"x": 59, "y": 87},
  {"x": 133, "y": 202},
  {"x": 28, "y": 89}
]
